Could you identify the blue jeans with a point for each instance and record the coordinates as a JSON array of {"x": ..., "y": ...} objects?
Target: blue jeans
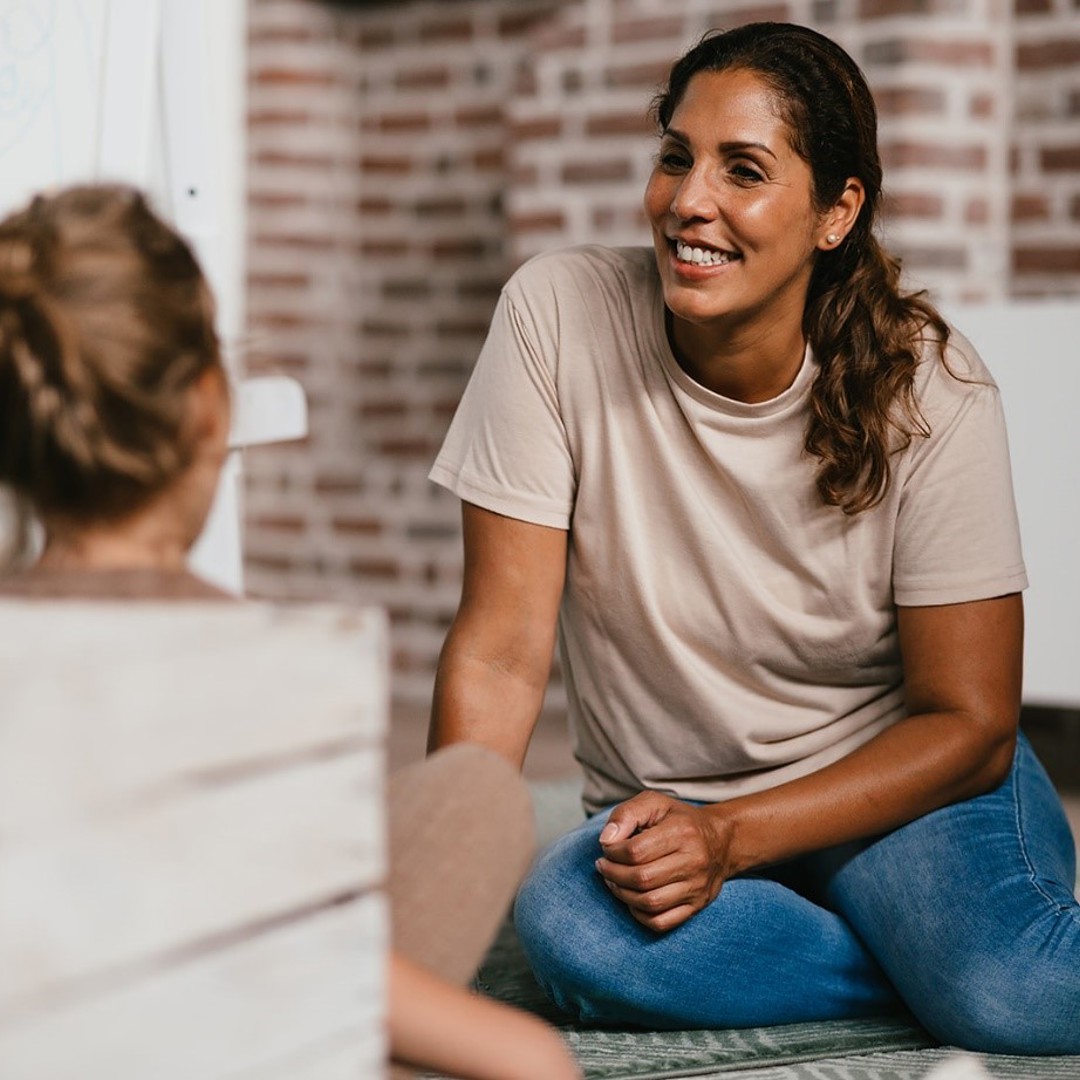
[{"x": 965, "y": 916}]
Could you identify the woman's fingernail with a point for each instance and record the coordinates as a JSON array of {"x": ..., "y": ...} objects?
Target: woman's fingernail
[
  {"x": 597, "y": 864},
  {"x": 610, "y": 831}
]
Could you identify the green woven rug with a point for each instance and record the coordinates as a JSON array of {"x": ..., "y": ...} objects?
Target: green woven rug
[{"x": 877, "y": 1049}]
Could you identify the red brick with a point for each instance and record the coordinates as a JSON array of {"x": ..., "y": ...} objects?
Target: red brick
[
  {"x": 425, "y": 78},
  {"x": 553, "y": 35},
  {"x": 446, "y": 328},
  {"x": 909, "y": 100},
  {"x": 649, "y": 75},
  {"x": 625, "y": 31},
  {"x": 953, "y": 54},
  {"x": 278, "y": 280},
  {"x": 276, "y": 200},
  {"x": 356, "y": 526},
  {"x": 384, "y": 569},
  {"x": 536, "y": 127},
  {"x": 1046, "y": 260},
  {"x": 627, "y": 123},
  {"x": 490, "y": 159},
  {"x": 294, "y": 159},
  {"x": 514, "y": 24},
  {"x": 540, "y": 221},
  {"x": 1060, "y": 158},
  {"x": 933, "y": 155},
  {"x": 372, "y": 410},
  {"x": 289, "y": 35},
  {"x": 284, "y": 320},
  {"x": 443, "y": 206},
  {"x": 298, "y": 241},
  {"x": 444, "y": 31},
  {"x": 883, "y": 9},
  {"x": 982, "y": 106},
  {"x": 257, "y": 118},
  {"x": 279, "y": 523},
  {"x": 419, "y": 449},
  {"x": 1030, "y": 208},
  {"x": 597, "y": 172},
  {"x": 1074, "y": 208},
  {"x": 292, "y": 77},
  {"x": 384, "y": 328},
  {"x": 277, "y": 564},
  {"x": 406, "y": 290},
  {"x": 764, "y": 12},
  {"x": 1064, "y": 52},
  {"x": 374, "y": 205},
  {"x": 977, "y": 212},
  {"x": 914, "y": 205},
  {"x": 372, "y": 248},
  {"x": 386, "y": 164},
  {"x": 338, "y": 485},
  {"x": 465, "y": 247},
  {"x": 1033, "y": 7},
  {"x": 405, "y": 122},
  {"x": 479, "y": 116},
  {"x": 376, "y": 37},
  {"x": 524, "y": 176}
]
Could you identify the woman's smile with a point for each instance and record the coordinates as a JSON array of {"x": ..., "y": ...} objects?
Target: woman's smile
[{"x": 731, "y": 207}]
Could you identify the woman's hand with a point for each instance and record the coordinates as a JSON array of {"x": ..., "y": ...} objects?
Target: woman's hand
[{"x": 664, "y": 859}]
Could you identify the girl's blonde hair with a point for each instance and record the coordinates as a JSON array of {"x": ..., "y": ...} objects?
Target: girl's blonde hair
[{"x": 105, "y": 319}]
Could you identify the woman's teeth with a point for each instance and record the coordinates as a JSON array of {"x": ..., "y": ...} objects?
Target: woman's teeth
[{"x": 704, "y": 256}]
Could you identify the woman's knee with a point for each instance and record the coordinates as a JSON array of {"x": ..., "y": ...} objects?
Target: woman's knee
[
  {"x": 1006, "y": 1005},
  {"x": 564, "y": 921}
]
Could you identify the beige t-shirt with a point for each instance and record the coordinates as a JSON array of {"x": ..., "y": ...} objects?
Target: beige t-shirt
[{"x": 722, "y": 630}]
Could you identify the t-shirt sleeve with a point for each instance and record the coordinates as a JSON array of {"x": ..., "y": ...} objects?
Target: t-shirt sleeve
[
  {"x": 957, "y": 535},
  {"x": 507, "y": 449}
]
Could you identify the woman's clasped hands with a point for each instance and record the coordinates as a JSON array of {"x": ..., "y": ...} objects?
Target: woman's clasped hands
[{"x": 665, "y": 859}]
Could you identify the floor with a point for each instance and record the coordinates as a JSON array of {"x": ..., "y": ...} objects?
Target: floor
[{"x": 549, "y": 754}]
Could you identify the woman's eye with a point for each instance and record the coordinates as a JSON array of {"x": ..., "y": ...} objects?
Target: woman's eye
[
  {"x": 747, "y": 173},
  {"x": 671, "y": 159}
]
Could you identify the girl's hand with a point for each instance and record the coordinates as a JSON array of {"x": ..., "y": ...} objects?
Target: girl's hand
[{"x": 664, "y": 859}]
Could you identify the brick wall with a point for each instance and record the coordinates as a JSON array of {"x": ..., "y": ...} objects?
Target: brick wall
[
  {"x": 1045, "y": 188},
  {"x": 406, "y": 156}
]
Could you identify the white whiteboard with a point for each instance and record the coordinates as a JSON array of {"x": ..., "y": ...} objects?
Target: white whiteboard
[
  {"x": 152, "y": 93},
  {"x": 1030, "y": 348}
]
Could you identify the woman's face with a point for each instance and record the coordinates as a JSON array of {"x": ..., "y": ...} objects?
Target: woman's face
[{"x": 729, "y": 200}]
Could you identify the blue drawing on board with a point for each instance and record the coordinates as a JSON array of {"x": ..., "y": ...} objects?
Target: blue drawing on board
[{"x": 27, "y": 67}]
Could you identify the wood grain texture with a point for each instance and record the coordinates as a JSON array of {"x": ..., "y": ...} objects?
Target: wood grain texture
[{"x": 191, "y": 841}]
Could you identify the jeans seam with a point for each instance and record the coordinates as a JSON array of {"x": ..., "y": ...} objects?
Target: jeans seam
[{"x": 1014, "y": 784}]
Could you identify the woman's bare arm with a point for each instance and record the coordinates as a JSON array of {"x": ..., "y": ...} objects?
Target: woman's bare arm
[
  {"x": 436, "y": 1025},
  {"x": 962, "y": 665},
  {"x": 495, "y": 662}
]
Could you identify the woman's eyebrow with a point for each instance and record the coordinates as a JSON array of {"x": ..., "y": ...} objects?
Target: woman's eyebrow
[{"x": 726, "y": 147}]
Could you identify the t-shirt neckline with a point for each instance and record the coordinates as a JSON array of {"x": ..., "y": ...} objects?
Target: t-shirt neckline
[{"x": 661, "y": 348}]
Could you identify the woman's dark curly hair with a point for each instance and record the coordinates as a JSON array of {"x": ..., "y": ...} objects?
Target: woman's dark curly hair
[{"x": 867, "y": 335}]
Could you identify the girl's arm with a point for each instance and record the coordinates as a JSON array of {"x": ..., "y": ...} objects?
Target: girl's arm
[
  {"x": 436, "y": 1025},
  {"x": 962, "y": 665}
]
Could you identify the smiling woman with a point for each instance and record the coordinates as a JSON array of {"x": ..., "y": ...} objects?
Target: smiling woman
[{"x": 765, "y": 495}]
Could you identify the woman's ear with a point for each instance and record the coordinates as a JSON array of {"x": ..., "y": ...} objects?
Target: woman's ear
[
  {"x": 210, "y": 415},
  {"x": 838, "y": 221}
]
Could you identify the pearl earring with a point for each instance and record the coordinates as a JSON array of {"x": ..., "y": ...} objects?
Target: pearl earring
[{"x": 832, "y": 238}]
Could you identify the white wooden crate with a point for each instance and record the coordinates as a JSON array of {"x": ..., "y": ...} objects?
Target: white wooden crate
[{"x": 191, "y": 841}]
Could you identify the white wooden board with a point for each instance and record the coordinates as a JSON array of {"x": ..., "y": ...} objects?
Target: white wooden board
[
  {"x": 244, "y": 1009},
  {"x": 191, "y": 840},
  {"x": 1032, "y": 349}
]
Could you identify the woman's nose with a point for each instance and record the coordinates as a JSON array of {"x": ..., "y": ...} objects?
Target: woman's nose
[{"x": 694, "y": 197}]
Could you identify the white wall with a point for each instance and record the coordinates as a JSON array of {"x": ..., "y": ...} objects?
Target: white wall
[{"x": 151, "y": 92}]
